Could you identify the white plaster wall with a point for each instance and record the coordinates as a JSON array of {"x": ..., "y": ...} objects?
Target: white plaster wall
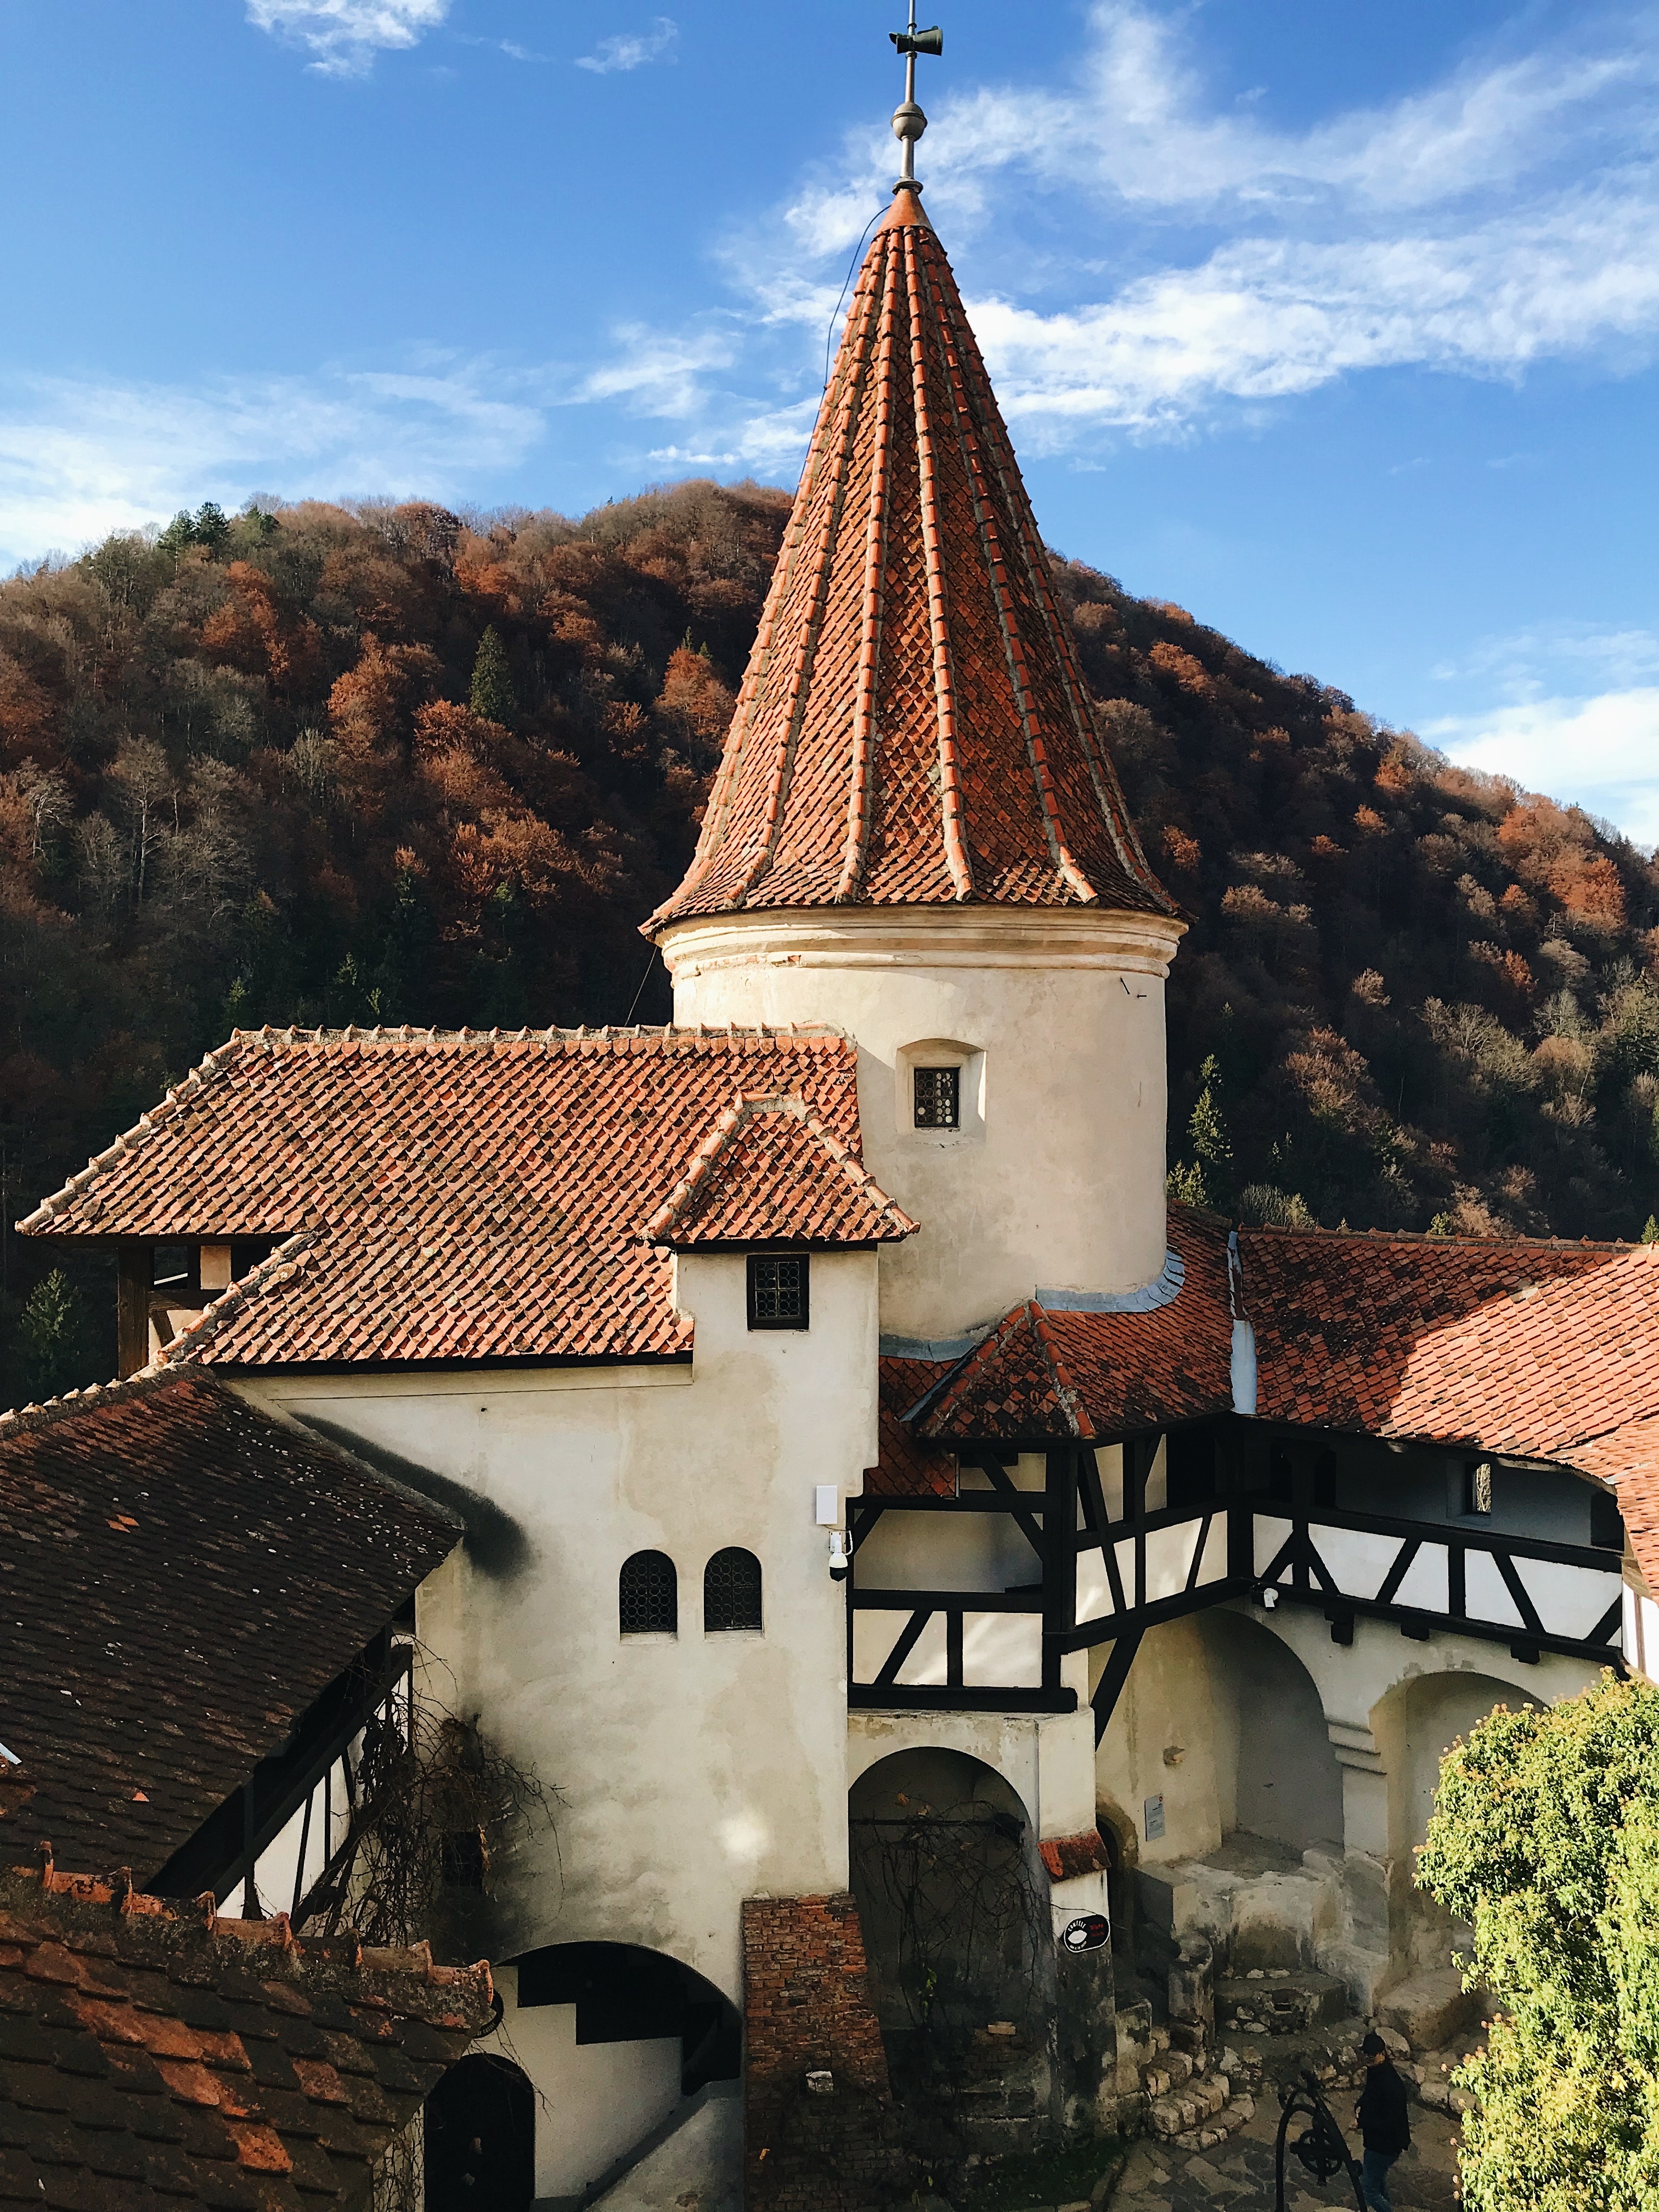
[
  {"x": 693, "y": 1771},
  {"x": 1056, "y": 1178}
]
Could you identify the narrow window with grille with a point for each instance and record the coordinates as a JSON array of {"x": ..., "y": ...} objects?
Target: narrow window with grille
[
  {"x": 1477, "y": 1487},
  {"x": 938, "y": 1097},
  {"x": 732, "y": 1590},
  {"x": 648, "y": 1596},
  {"x": 778, "y": 1289}
]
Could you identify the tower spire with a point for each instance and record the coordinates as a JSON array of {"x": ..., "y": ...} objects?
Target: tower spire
[
  {"x": 908, "y": 121},
  {"x": 913, "y": 727}
]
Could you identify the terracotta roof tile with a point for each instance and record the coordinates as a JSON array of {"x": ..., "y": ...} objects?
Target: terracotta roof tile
[
  {"x": 457, "y": 1196},
  {"x": 180, "y": 1579},
  {"x": 116, "y": 2092},
  {"x": 1522, "y": 1347},
  {"x": 767, "y": 1171},
  {"x": 912, "y": 726},
  {"x": 1045, "y": 1372},
  {"x": 907, "y": 1468}
]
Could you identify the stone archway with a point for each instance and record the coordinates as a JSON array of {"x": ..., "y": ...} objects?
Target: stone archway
[
  {"x": 954, "y": 1904},
  {"x": 1415, "y": 1725},
  {"x": 1277, "y": 1775},
  {"x": 616, "y": 2038}
]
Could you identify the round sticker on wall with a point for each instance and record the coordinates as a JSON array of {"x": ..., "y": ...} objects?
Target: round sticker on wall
[{"x": 1090, "y": 1931}]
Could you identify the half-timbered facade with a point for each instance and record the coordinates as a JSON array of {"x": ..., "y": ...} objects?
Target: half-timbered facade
[{"x": 833, "y": 1404}]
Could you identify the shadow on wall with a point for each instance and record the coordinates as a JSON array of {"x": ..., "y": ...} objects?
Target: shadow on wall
[{"x": 1277, "y": 1774}]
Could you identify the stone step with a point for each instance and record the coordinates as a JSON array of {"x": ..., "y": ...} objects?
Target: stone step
[
  {"x": 1194, "y": 2105},
  {"x": 1167, "y": 2073},
  {"x": 1217, "y": 2128},
  {"x": 1279, "y": 2003}
]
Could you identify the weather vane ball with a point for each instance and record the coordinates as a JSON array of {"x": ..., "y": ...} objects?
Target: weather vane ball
[{"x": 908, "y": 121}]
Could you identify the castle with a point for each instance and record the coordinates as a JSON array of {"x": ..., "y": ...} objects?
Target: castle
[{"x": 956, "y": 1594}]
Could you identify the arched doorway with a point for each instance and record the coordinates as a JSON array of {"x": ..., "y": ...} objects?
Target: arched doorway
[
  {"x": 1276, "y": 1772},
  {"x": 1416, "y": 1724},
  {"x": 615, "y": 2037},
  {"x": 953, "y": 1901},
  {"x": 481, "y": 2138}
]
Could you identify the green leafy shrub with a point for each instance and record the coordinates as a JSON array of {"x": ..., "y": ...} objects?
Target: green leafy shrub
[{"x": 1545, "y": 1839}]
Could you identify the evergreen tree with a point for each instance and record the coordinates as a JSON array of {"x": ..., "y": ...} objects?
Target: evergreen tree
[
  {"x": 492, "y": 680},
  {"x": 1206, "y": 1177},
  {"x": 52, "y": 1338}
]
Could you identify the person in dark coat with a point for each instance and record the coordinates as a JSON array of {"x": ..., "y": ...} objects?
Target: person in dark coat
[{"x": 1384, "y": 2130}]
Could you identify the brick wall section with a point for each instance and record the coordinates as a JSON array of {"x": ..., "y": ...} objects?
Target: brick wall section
[{"x": 807, "y": 2010}]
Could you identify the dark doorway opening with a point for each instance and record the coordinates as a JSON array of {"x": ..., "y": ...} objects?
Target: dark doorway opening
[{"x": 481, "y": 2138}]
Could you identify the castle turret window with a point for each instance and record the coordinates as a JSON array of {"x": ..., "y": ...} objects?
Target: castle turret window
[
  {"x": 732, "y": 1590},
  {"x": 778, "y": 1287},
  {"x": 648, "y": 1598},
  {"x": 938, "y": 1097}
]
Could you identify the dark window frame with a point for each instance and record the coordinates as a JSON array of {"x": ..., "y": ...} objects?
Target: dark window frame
[
  {"x": 948, "y": 1081},
  {"x": 732, "y": 1599},
  {"x": 643, "y": 1597},
  {"x": 757, "y": 1292}
]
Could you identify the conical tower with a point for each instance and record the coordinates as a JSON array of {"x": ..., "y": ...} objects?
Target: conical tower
[
  {"x": 917, "y": 834},
  {"x": 913, "y": 729}
]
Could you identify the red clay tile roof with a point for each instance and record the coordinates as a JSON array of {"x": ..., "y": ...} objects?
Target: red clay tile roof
[
  {"x": 913, "y": 726},
  {"x": 180, "y": 1579},
  {"x": 1044, "y": 1372},
  {"x": 459, "y": 1196},
  {"x": 1067, "y": 1856},
  {"x": 769, "y": 1171},
  {"x": 905, "y": 1468},
  {"x": 1522, "y": 1347},
  {"x": 149, "y": 2057}
]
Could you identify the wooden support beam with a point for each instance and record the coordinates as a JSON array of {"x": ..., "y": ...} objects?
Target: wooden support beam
[
  {"x": 1113, "y": 1679},
  {"x": 1059, "y": 1558}
]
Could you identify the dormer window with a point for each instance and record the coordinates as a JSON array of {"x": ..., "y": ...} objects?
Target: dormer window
[
  {"x": 778, "y": 1289},
  {"x": 938, "y": 1097}
]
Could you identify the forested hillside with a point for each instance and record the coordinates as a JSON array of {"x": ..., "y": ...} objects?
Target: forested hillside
[{"x": 379, "y": 765}]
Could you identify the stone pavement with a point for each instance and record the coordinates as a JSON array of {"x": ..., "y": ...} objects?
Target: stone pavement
[{"x": 1238, "y": 2176}]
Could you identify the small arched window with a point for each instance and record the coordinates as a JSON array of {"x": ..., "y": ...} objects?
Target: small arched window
[
  {"x": 732, "y": 1590},
  {"x": 648, "y": 1596}
]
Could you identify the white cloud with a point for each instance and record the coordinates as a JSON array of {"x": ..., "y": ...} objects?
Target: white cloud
[
  {"x": 660, "y": 372},
  {"x": 1266, "y": 318},
  {"x": 1507, "y": 215},
  {"x": 346, "y": 35},
  {"x": 633, "y": 49},
  {"x": 78, "y": 459},
  {"x": 1597, "y": 752}
]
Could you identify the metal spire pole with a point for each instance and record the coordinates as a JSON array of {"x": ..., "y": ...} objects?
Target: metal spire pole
[{"x": 908, "y": 121}]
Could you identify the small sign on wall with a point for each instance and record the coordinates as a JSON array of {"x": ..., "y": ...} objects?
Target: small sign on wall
[
  {"x": 1090, "y": 1931},
  {"x": 1154, "y": 1811}
]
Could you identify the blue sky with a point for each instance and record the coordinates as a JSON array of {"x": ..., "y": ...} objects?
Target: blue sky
[{"x": 1338, "y": 326}]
